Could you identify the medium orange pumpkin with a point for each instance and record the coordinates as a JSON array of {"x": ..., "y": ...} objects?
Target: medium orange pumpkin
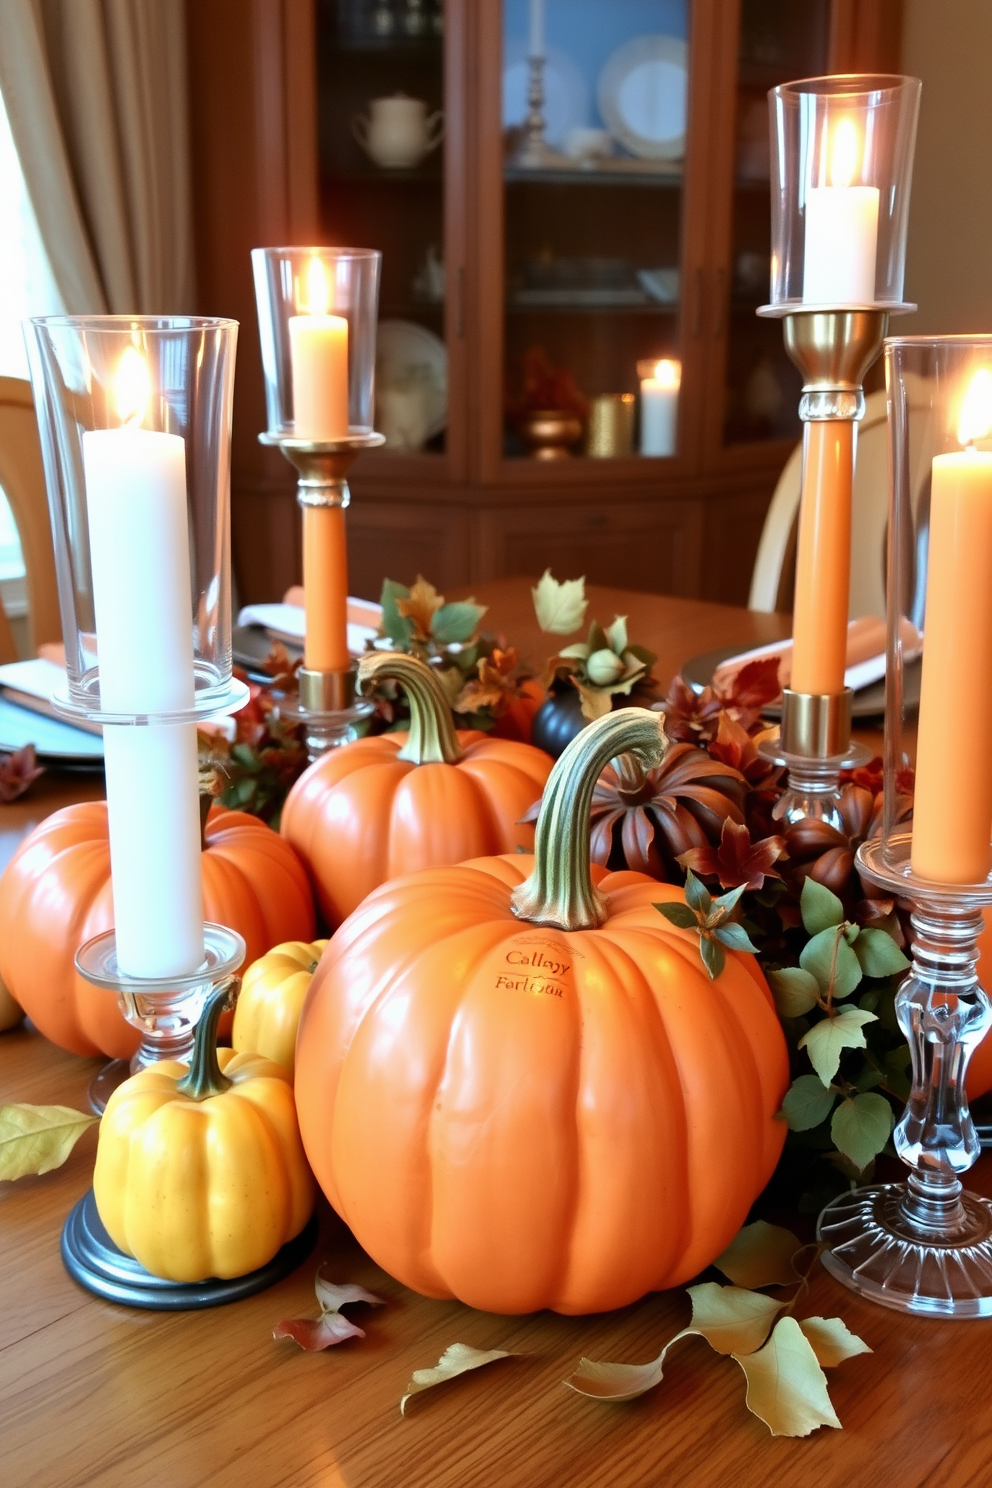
[
  {"x": 394, "y": 803},
  {"x": 524, "y": 1092},
  {"x": 56, "y": 894}
]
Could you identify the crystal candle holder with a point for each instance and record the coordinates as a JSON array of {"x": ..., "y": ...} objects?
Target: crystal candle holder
[
  {"x": 317, "y": 312},
  {"x": 925, "y": 1245},
  {"x": 843, "y": 151}
]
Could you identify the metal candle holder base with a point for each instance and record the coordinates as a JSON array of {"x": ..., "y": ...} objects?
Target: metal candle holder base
[
  {"x": 327, "y": 706},
  {"x": 925, "y": 1246},
  {"x": 165, "y": 1010},
  {"x": 94, "y": 1261},
  {"x": 814, "y": 744}
]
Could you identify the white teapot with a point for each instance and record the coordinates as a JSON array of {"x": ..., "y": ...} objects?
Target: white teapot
[{"x": 399, "y": 134}]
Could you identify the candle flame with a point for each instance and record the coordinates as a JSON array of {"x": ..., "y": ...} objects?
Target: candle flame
[
  {"x": 844, "y": 151},
  {"x": 132, "y": 387},
  {"x": 976, "y": 410},
  {"x": 668, "y": 373},
  {"x": 318, "y": 290}
]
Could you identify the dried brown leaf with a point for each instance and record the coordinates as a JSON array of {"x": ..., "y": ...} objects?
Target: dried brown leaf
[
  {"x": 458, "y": 1358},
  {"x": 314, "y": 1334},
  {"x": 832, "y": 1341},
  {"x": 786, "y": 1388},
  {"x": 36, "y": 1139},
  {"x": 421, "y": 606},
  {"x": 18, "y": 771},
  {"x": 760, "y": 1255}
]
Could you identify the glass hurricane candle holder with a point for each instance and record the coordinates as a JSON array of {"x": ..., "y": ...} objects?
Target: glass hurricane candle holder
[
  {"x": 317, "y": 313},
  {"x": 926, "y": 1245},
  {"x": 843, "y": 151}
]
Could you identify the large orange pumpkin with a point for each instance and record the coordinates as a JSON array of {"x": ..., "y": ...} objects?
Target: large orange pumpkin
[
  {"x": 56, "y": 894},
  {"x": 525, "y": 1092},
  {"x": 394, "y": 803}
]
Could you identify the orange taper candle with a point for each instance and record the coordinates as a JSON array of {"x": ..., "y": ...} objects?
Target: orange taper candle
[
  {"x": 952, "y": 813},
  {"x": 823, "y": 561},
  {"x": 325, "y": 589}
]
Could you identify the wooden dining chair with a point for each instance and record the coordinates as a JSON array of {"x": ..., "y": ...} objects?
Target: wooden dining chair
[
  {"x": 773, "y": 578},
  {"x": 22, "y": 480}
]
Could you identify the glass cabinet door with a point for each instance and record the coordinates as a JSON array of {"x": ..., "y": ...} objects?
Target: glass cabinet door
[
  {"x": 380, "y": 77},
  {"x": 777, "y": 40},
  {"x": 594, "y": 129}
]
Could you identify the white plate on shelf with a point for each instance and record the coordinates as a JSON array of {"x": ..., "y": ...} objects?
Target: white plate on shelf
[
  {"x": 642, "y": 95},
  {"x": 410, "y": 353},
  {"x": 566, "y": 93}
]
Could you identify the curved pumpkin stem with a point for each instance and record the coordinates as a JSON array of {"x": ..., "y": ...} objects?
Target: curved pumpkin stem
[
  {"x": 560, "y": 890},
  {"x": 204, "y": 1076},
  {"x": 432, "y": 739}
]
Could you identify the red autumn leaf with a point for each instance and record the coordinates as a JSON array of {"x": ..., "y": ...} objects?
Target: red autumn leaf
[
  {"x": 751, "y": 690},
  {"x": 690, "y": 717},
  {"x": 737, "y": 860},
  {"x": 18, "y": 771},
  {"x": 314, "y": 1334}
]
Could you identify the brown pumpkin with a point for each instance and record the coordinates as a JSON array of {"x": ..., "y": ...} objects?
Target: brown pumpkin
[
  {"x": 56, "y": 894},
  {"x": 516, "y": 1083},
  {"x": 388, "y": 805}
]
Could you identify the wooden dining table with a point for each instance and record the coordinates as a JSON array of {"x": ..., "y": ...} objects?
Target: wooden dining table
[{"x": 93, "y": 1395}]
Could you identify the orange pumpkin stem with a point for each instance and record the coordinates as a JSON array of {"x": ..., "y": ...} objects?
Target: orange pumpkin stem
[
  {"x": 205, "y": 1077},
  {"x": 560, "y": 890},
  {"x": 432, "y": 739}
]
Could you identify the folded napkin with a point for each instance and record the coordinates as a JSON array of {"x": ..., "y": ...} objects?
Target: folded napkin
[
  {"x": 286, "y": 622},
  {"x": 865, "y": 654}
]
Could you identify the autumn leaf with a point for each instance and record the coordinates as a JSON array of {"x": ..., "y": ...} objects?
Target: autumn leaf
[
  {"x": 36, "y": 1139},
  {"x": 751, "y": 690},
  {"x": 736, "y": 861},
  {"x": 493, "y": 687},
  {"x": 314, "y": 1334},
  {"x": 560, "y": 607},
  {"x": 826, "y": 1041},
  {"x": 457, "y": 1359},
  {"x": 832, "y": 1341},
  {"x": 420, "y": 606},
  {"x": 786, "y": 1388},
  {"x": 456, "y": 623},
  {"x": 18, "y": 771},
  {"x": 760, "y": 1255}
]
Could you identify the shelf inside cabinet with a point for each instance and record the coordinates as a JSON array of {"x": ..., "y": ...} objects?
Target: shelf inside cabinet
[
  {"x": 518, "y": 306},
  {"x": 615, "y": 173}
]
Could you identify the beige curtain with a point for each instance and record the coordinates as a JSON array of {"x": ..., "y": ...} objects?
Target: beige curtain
[{"x": 95, "y": 91}]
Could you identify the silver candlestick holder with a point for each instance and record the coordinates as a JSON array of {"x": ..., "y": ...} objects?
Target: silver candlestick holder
[{"x": 534, "y": 152}]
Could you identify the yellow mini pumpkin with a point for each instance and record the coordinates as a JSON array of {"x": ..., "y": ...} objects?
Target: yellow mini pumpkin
[
  {"x": 272, "y": 993},
  {"x": 200, "y": 1172}
]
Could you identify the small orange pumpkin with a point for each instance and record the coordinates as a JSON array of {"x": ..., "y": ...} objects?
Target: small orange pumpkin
[
  {"x": 391, "y": 804},
  {"x": 525, "y": 1092},
  {"x": 56, "y": 894}
]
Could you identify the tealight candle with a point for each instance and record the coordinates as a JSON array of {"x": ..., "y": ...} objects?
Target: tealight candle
[
  {"x": 841, "y": 229},
  {"x": 140, "y": 558},
  {"x": 952, "y": 811},
  {"x": 659, "y": 406}
]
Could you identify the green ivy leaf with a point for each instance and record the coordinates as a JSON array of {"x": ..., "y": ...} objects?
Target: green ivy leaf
[
  {"x": 860, "y": 1127},
  {"x": 714, "y": 957},
  {"x": 679, "y": 914},
  {"x": 394, "y": 625},
  {"x": 878, "y": 954},
  {"x": 736, "y": 937},
  {"x": 831, "y": 960},
  {"x": 456, "y": 622},
  {"x": 696, "y": 895},
  {"x": 897, "y": 1063},
  {"x": 795, "y": 991},
  {"x": 820, "y": 908},
  {"x": 807, "y": 1102},
  {"x": 826, "y": 1040}
]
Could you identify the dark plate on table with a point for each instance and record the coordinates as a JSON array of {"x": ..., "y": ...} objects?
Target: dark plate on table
[
  {"x": 55, "y": 742},
  {"x": 251, "y": 645},
  {"x": 869, "y": 702}
]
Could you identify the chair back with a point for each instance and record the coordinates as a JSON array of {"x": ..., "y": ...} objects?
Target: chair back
[
  {"x": 22, "y": 480},
  {"x": 773, "y": 578}
]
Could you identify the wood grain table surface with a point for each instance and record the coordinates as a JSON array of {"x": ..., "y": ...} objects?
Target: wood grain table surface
[{"x": 97, "y": 1396}]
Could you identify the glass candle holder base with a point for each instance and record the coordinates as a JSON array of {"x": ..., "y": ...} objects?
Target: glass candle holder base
[
  {"x": 94, "y": 1261},
  {"x": 814, "y": 788},
  {"x": 925, "y": 1246},
  {"x": 896, "y": 1245},
  {"x": 165, "y": 1010},
  {"x": 329, "y": 709}
]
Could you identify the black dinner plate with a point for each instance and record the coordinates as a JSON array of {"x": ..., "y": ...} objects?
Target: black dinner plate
[{"x": 868, "y": 702}]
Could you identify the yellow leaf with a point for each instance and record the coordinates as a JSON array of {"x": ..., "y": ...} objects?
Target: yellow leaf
[
  {"x": 36, "y": 1139},
  {"x": 617, "y": 1381},
  {"x": 421, "y": 605},
  {"x": 560, "y": 608},
  {"x": 786, "y": 1388},
  {"x": 596, "y": 701},
  {"x": 731, "y": 1320},
  {"x": 457, "y": 1359},
  {"x": 832, "y": 1341},
  {"x": 760, "y": 1255}
]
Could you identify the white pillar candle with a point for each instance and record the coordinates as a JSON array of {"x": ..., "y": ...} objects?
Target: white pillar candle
[
  {"x": 536, "y": 48},
  {"x": 841, "y": 230},
  {"x": 318, "y": 350},
  {"x": 139, "y": 553},
  {"x": 660, "y": 409}
]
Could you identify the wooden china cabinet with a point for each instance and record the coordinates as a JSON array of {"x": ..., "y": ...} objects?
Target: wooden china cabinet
[{"x": 579, "y": 268}]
